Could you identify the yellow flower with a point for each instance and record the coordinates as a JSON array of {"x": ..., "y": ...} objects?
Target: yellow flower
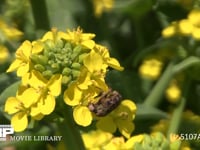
[
  {"x": 170, "y": 30},
  {"x": 112, "y": 62},
  {"x": 151, "y": 68},
  {"x": 120, "y": 118},
  {"x": 185, "y": 27},
  {"x": 9, "y": 32},
  {"x": 20, "y": 107},
  {"x": 47, "y": 91},
  {"x": 70, "y": 59},
  {"x": 22, "y": 63},
  {"x": 102, "y": 5},
  {"x": 4, "y": 54},
  {"x": 188, "y": 27},
  {"x": 78, "y": 98},
  {"x": 173, "y": 92},
  {"x": 78, "y": 37}
]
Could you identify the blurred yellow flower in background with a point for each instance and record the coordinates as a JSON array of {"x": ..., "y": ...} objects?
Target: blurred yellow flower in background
[
  {"x": 173, "y": 92},
  {"x": 4, "y": 54},
  {"x": 8, "y": 33},
  {"x": 151, "y": 68},
  {"x": 102, "y": 5}
]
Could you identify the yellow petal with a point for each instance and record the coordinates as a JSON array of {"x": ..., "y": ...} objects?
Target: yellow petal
[
  {"x": 25, "y": 48},
  {"x": 29, "y": 97},
  {"x": 134, "y": 139},
  {"x": 130, "y": 104},
  {"x": 19, "y": 122},
  {"x": 88, "y": 44},
  {"x": 84, "y": 79},
  {"x": 125, "y": 127},
  {"x": 106, "y": 124},
  {"x": 37, "y": 47},
  {"x": 47, "y": 36},
  {"x": 93, "y": 61},
  {"x": 37, "y": 80},
  {"x": 112, "y": 62},
  {"x": 47, "y": 105},
  {"x": 23, "y": 69},
  {"x": 87, "y": 36},
  {"x": 14, "y": 65},
  {"x": 35, "y": 111},
  {"x": 54, "y": 85},
  {"x": 38, "y": 117},
  {"x": 12, "y": 105},
  {"x": 82, "y": 115},
  {"x": 72, "y": 96}
]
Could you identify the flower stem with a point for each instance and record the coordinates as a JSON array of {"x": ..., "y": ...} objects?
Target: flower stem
[
  {"x": 192, "y": 60},
  {"x": 40, "y": 14},
  {"x": 70, "y": 133},
  {"x": 155, "y": 95}
]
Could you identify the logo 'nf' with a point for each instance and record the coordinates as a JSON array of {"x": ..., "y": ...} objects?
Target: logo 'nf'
[{"x": 5, "y": 130}]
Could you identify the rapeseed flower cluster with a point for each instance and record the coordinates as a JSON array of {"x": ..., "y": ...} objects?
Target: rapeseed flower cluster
[
  {"x": 70, "y": 64},
  {"x": 185, "y": 27}
]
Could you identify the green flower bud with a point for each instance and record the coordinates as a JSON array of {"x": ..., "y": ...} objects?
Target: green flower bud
[
  {"x": 50, "y": 62},
  {"x": 77, "y": 49},
  {"x": 39, "y": 59},
  {"x": 34, "y": 58},
  {"x": 158, "y": 138},
  {"x": 66, "y": 71},
  {"x": 82, "y": 57},
  {"x": 138, "y": 146},
  {"x": 47, "y": 74},
  {"x": 55, "y": 67},
  {"x": 39, "y": 67},
  {"x": 165, "y": 145},
  {"x": 75, "y": 73},
  {"x": 66, "y": 79},
  {"x": 42, "y": 59},
  {"x": 175, "y": 145},
  {"x": 59, "y": 44},
  {"x": 76, "y": 65},
  {"x": 49, "y": 44},
  {"x": 147, "y": 140},
  {"x": 67, "y": 48}
]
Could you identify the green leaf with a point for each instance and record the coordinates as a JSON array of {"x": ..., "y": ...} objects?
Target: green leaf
[{"x": 149, "y": 112}]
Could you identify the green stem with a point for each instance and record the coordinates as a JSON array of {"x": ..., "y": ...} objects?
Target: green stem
[
  {"x": 153, "y": 99},
  {"x": 186, "y": 63},
  {"x": 70, "y": 133},
  {"x": 40, "y": 14}
]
